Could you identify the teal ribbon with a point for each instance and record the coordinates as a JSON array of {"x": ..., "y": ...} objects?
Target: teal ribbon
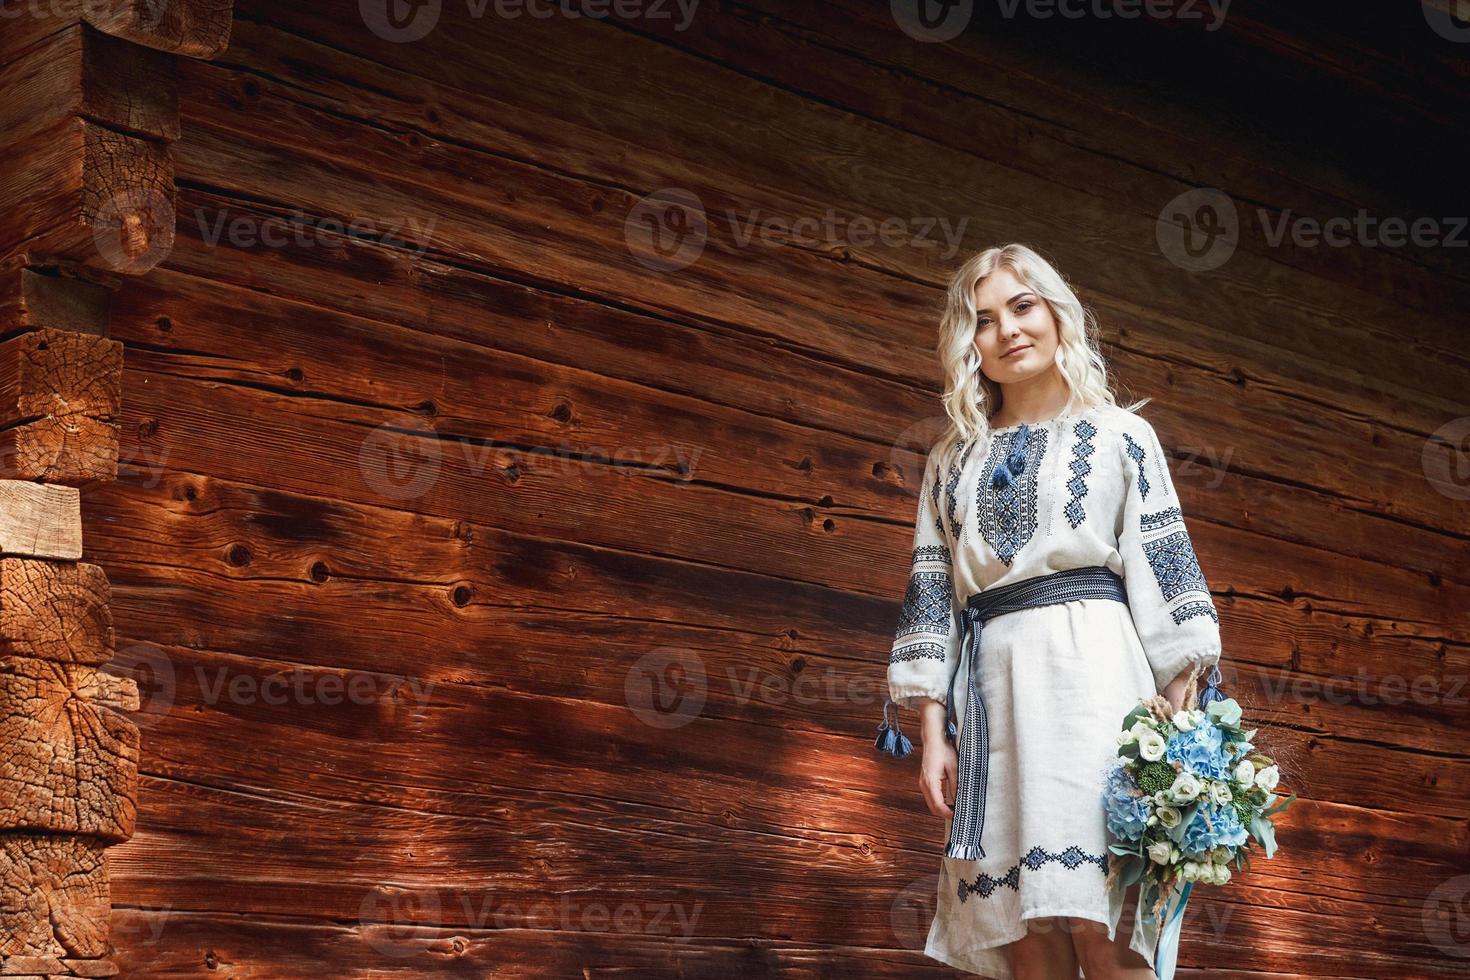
[{"x": 1168, "y": 951}]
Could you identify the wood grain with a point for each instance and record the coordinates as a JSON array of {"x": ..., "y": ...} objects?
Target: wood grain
[{"x": 418, "y": 463}]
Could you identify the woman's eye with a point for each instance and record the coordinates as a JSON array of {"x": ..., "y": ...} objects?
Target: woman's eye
[{"x": 1023, "y": 306}]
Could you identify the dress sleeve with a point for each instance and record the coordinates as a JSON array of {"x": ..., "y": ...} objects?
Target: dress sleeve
[
  {"x": 926, "y": 640},
  {"x": 1168, "y": 597}
]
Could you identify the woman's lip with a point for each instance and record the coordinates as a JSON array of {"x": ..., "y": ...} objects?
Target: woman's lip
[{"x": 1019, "y": 350}]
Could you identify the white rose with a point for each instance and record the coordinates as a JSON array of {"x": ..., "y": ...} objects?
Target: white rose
[
  {"x": 1245, "y": 773},
  {"x": 1183, "y": 721},
  {"x": 1222, "y": 873},
  {"x": 1186, "y": 787},
  {"x": 1268, "y": 777},
  {"x": 1159, "y": 853},
  {"x": 1151, "y": 746},
  {"x": 1124, "y": 737},
  {"x": 1162, "y": 798},
  {"x": 1169, "y": 816},
  {"x": 1140, "y": 728},
  {"x": 1190, "y": 871},
  {"x": 1220, "y": 854},
  {"x": 1220, "y": 792}
]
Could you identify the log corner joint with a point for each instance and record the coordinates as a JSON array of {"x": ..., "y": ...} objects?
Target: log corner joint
[{"x": 89, "y": 100}]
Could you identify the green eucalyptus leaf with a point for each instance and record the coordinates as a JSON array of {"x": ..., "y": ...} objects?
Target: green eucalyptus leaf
[
  {"x": 1133, "y": 871},
  {"x": 1281, "y": 808},
  {"x": 1264, "y": 831}
]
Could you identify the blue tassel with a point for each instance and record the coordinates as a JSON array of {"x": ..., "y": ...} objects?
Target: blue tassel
[
  {"x": 1212, "y": 692},
  {"x": 891, "y": 740},
  {"x": 1015, "y": 463}
]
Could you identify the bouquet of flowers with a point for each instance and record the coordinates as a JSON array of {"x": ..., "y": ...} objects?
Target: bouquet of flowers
[{"x": 1185, "y": 801}]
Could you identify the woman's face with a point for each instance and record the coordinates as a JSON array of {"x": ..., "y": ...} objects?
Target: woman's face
[{"x": 1011, "y": 318}]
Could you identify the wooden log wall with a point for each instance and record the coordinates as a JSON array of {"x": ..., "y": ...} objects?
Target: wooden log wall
[
  {"x": 88, "y": 107},
  {"x": 516, "y": 479}
]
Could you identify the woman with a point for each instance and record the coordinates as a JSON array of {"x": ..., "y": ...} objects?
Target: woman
[{"x": 1053, "y": 585}]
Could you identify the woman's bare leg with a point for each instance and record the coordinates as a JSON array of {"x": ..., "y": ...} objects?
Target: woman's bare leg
[
  {"x": 1044, "y": 953},
  {"x": 1103, "y": 960}
]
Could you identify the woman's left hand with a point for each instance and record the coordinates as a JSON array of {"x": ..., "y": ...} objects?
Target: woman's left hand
[{"x": 1178, "y": 689}]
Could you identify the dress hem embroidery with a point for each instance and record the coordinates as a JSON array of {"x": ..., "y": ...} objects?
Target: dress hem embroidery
[{"x": 1072, "y": 858}]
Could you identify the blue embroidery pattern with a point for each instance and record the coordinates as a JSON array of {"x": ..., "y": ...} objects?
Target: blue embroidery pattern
[
  {"x": 934, "y": 497},
  {"x": 925, "y": 604},
  {"x": 1072, "y": 858},
  {"x": 927, "y": 607},
  {"x": 917, "y": 651},
  {"x": 1175, "y": 565},
  {"x": 1007, "y": 515},
  {"x": 952, "y": 487},
  {"x": 1081, "y": 449},
  {"x": 1136, "y": 451}
]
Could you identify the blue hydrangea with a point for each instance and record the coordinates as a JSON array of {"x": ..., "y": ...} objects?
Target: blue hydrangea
[
  {"x": 1127, "y": 815},
  {"x": 1227, "y": 830},
  {"x": 1201, "y": 750}
]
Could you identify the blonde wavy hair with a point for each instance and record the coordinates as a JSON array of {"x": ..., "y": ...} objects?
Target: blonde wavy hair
[{"x": 970, "y": 398}]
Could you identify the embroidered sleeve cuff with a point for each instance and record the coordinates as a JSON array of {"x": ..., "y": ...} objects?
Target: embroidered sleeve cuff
[
  {"x": 1171, "y": 665},
  {"x": 911, "y": 693}
]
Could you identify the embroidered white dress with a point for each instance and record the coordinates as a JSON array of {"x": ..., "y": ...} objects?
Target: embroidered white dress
[{"x": 1058, "y": 679}]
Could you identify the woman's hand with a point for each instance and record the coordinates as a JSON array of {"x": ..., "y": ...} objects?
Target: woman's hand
[
  {"x": 1178, "y": 689},
  {"x": 938, "y": 766}
]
